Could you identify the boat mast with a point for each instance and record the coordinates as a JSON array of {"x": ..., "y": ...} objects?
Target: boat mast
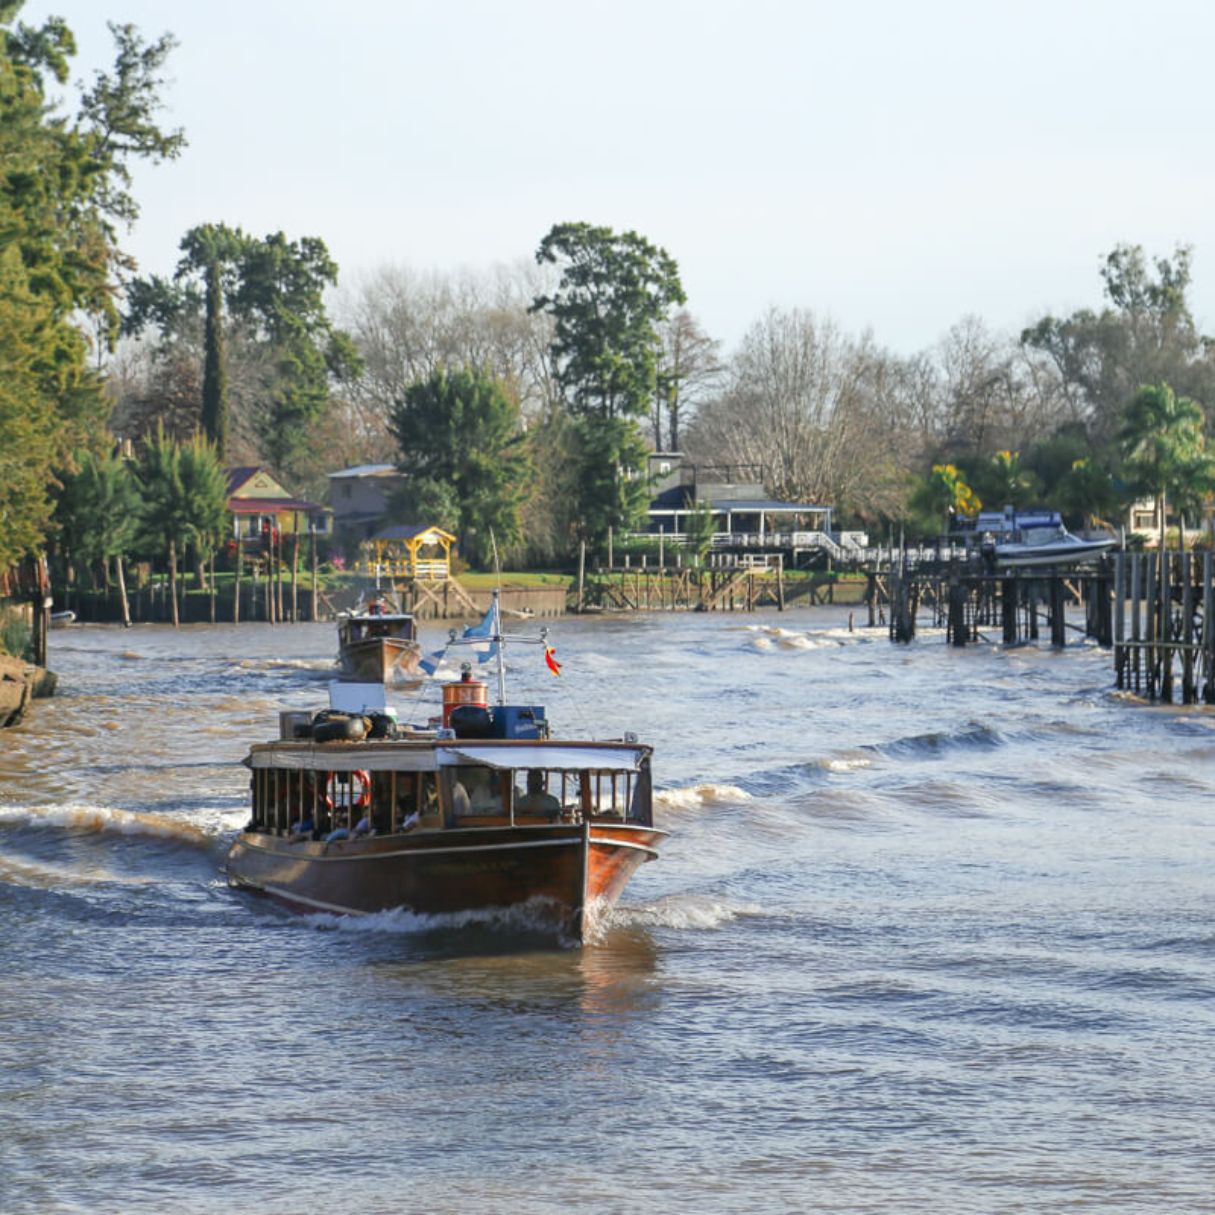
[{"x": 500, "y": 643}]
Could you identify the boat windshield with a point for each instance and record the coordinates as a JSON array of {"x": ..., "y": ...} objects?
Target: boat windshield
[{"x": 1042, "y": 535}]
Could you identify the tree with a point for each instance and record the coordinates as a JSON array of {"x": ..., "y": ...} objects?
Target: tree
[
  {"x": 461, "y": 445},
  {"x": 1145, "y": 335},
  {"x": 1164, "y": 448},
  {"x": 1002, "y": 480},
  {"x": 183, "y": 499},
  {"x": 97, "y": 514},
  {"x": 793, "y": 407},
  {"x": 63, "y": 195},
  {"x": 288, "y": 350},
  {"x": 205, "y": 498},
  {"x": 613, "y": 293},
  {"x": 1087, "y": 492},
  {"x": 944, "y": 494},
  {"x": 280, "y": 290},
  {"x": 688, "y": 369},
  {"x": 210, "y": 250}
]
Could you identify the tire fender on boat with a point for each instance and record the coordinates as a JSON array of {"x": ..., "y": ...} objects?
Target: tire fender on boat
[{"x": 359, "y": 779}]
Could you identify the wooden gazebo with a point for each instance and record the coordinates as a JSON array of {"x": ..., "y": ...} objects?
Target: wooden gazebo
[{"x": 422, "y": 553}]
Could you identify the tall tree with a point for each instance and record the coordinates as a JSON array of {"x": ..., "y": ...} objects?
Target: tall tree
[
  {"x": 688, "y": 369},
  {"x": 614, "y": 291},
  {"x": 288, "y": 350},
  {"x": 1165, "y": 449},
  {"x": 461, "y": 445},
  {"x": 1145, "y": 334},
  {"x": 211, "y": 250},
  {"x": 63, "y": 197}
]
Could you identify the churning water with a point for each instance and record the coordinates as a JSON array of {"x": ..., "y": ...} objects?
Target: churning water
[{"x": 934, "y": 931}]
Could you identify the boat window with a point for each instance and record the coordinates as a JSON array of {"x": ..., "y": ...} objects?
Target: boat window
[
  {"x": 412, "y": 793},
  {"x": 473, "y": 790}
]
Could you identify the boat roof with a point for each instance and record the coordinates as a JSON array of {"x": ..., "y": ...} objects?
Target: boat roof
[{"x": 428, "y": 754}]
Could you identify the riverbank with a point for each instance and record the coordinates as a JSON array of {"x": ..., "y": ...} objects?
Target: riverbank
[{"x": 21, "y": 682}]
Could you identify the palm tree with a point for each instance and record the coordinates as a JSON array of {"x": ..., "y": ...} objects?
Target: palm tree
[
  {"x": 163, "y": 515},
  {"x": 943, "y": 494},
  {"x": 1164, "y": 446},
  {"x": 1006, "y": 482},
  {"x": 205, "y": 491}
]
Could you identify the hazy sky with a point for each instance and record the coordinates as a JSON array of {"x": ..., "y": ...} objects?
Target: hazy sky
[{"x": 892, "y": 165}]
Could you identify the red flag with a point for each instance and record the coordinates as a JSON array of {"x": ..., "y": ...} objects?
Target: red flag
[{"x": 550, "y": 657}]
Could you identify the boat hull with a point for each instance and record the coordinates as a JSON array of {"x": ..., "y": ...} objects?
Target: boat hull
[
  {"x": 566, "y": 874},
  {"x": 1015, "y": 556},
  {"x": 379, "y": 660}
]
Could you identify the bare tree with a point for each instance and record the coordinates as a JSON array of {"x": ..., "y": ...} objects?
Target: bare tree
[{"x": 689, "y": 370}]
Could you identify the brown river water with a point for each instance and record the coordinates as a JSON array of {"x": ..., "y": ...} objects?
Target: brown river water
[{"x": 933, "y": 931}]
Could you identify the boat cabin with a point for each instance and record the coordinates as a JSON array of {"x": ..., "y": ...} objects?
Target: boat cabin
[{"x": 305, "y": 790}]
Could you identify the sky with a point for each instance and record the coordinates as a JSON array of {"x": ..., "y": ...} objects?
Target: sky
[{"x": 893, "y": 166}]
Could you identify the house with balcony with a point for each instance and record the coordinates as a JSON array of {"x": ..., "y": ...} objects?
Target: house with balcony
[{"x": 746, "y": 518}]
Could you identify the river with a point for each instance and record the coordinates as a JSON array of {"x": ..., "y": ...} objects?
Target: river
[{"x": 933, "y": 931}]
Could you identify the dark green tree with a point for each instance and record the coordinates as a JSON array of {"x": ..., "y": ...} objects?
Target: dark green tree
[
  {"x": 1165, "y": 450},
  {"x": 210, "y": 250},
  {"x": 614, "y": 292},
  {"x": 272, "y": 290},
  {"x": 1002, "y": 481},
  {"x": 280, "y": 290},
  {"x": 63, "y": 196},
  {"x": 461, "y": 445},
  {"x": 205, "y": 489},
  {"x": 97, "y": 516},
  {"x": 183, "y": 499}
]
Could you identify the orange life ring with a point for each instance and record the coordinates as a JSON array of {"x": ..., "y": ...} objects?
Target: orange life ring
[{"x": 358, "y": 777}]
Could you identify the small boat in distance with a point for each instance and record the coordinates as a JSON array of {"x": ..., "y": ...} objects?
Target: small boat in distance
[
  {"x": 1016, "y": 539},
  {"x": 479, "y": 811},
  {"x": 377, "y": 642}
]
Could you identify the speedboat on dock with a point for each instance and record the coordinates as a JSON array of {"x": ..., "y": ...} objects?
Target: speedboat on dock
[{"x": 1015, "y": 540}]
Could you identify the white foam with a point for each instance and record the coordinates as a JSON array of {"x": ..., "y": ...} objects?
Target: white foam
[
  {"x": 696, "y": 797},
  {"x": 98, "y": 819},
  {"x": 845, "y": 764},
  {"x": 691, "y": 912},
  {"x": 534, "y": 915}
]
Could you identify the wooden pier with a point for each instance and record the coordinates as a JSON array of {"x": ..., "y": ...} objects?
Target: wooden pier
[
  {"x": 1155, "y": 611},
  {"x": 718, "y": 585}
]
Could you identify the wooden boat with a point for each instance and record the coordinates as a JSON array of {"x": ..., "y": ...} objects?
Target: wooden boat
[
  {"x": 485, "y": 813},
  {"x": 377, "y": 643}
]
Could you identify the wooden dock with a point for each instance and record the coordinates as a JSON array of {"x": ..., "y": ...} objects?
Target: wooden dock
[
  {"x": 720, "y": 584},
  {"x": 1155, "y": 611}
]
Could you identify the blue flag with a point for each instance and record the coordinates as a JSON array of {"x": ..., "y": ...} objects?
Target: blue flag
[{"x": 485, "y": 649}]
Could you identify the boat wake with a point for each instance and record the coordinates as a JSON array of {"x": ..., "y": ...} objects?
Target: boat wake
[
  {"x": 534, "y": 916},
  {"x": 688, "y": 912},
  {"x": 100, "y": 820},
  {"x": 319, "y": 667}
]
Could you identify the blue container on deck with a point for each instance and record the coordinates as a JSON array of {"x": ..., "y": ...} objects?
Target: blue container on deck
[{"x": 519, "y": 721}]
